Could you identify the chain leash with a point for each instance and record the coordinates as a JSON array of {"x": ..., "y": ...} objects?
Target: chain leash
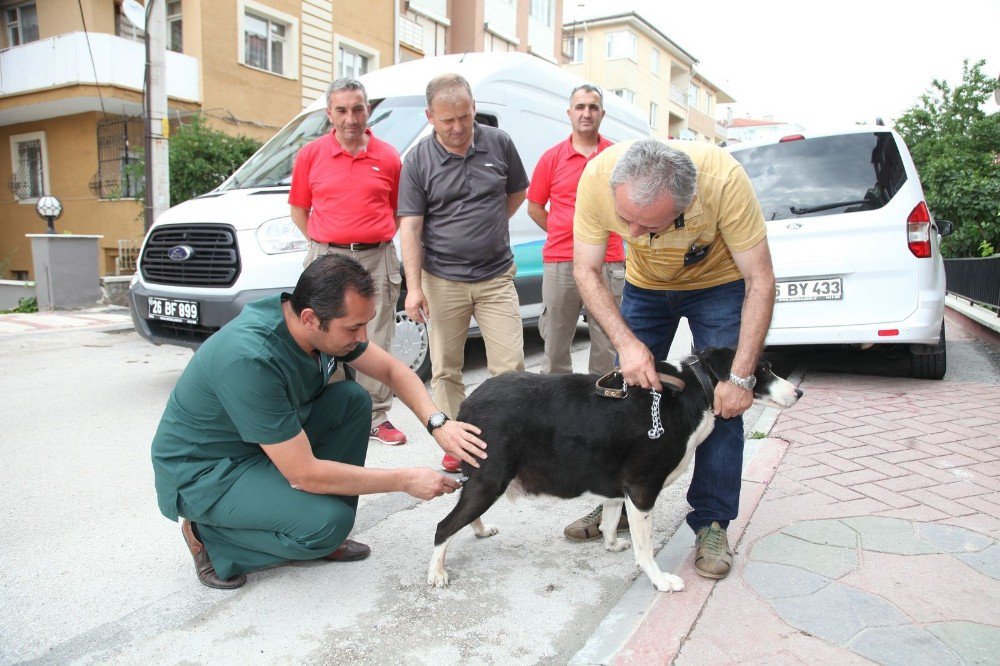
[{"x": 657, "y": 430}]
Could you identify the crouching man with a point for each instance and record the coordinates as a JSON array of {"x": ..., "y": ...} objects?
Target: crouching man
[{"x": 262, "y": 456}]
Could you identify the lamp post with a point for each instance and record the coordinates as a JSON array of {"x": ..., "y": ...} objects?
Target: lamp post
[{"x": 49, "y": 208}]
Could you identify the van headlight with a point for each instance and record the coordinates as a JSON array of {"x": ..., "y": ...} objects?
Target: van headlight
[{"x": 280, "y": 235}]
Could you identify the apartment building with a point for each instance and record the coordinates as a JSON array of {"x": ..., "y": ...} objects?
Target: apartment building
[
  {"x": 71, "y": 82},
  {"x": 628, "y": 56}
]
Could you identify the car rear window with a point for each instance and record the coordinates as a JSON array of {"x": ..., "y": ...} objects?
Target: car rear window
[{"x": 827, "y": 175}]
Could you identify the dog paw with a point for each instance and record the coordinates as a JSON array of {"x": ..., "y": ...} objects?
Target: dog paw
[
  {"x": 668, "y": 583},
  {"x": 483, "y": 530},
  {"x": 437, "y": 579},
  {"x": 618, "y": 545}
]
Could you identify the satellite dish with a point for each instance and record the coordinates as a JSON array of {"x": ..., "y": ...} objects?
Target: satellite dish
[{"x": 135, "y": 13}]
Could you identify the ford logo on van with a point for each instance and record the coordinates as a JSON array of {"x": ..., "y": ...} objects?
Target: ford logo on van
[{"x": 180, "y": 253}]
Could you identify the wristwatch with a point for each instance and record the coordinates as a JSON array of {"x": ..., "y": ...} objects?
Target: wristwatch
[
  {"x": 435, "y": 421},
  {"x": 745, "y": 383}
]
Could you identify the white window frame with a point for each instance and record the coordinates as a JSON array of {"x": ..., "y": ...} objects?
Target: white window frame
[
  {"x": 654, "y": 115},
  {"x": 577, "y": 50},
  {"x": 291, "y": 50},
  {"x": 177, "y": 17},
  {"x": 357, "y": 48},
  {"x": 17, "y": 139},
  {"x": 654, "y": 62},
  {"x": 546, "y": 7},
  {"x": 609, "y": 39},
  {"x": 16, "y": 25},
  {"x": 626, "y": 94},
  {"x": 693, "y": 95}
]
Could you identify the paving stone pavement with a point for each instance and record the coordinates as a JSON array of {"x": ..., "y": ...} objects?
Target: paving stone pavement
[{"x": 868, "y": 533}]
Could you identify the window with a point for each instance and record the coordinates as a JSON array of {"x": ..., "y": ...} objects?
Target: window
[
  {"x": 654, "y": 62},
  {"x": 22, "y": 24},
  {"x": 268, "y": 39},
  {"x": 573, "y": 49},
  {"x": 654, "y": 112},
  {"x": 542, "y": 11},
  {"x": 625, "y": 94},
  {"x": 622, "y": 44},
  {"x": 120, "y": 174},
  {"x": 351, "y": 63},
  {"x": 175, "y": 36},
  {"x": 693, "y": 91},
  {"x": 29, "y": 163}
]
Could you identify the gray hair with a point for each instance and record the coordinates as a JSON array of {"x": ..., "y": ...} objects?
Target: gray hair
[
  {"x": 587, "y": 87},
  {"x": 652, "y": 169},
  {"x": 449, "y": 85},
  {"x": 345, "y": 83}
]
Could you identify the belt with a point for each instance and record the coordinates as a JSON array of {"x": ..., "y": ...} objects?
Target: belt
[{"x": 356, "y": 247}]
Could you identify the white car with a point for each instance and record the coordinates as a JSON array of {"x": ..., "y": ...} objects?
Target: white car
[{"x": 855, "y": 247}]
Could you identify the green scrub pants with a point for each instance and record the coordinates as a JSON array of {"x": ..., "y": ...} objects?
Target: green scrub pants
[{"x": 262, "y": 521}]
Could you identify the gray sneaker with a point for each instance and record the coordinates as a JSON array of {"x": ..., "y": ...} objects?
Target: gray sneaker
[
  {"x": 713, "y": 558},
  {"x": 587, "y": 528}
]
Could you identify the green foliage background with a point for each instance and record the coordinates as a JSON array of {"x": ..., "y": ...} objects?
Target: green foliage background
[
  {"x": 200, "y": 159},
  {"x": 956, "y": 147}
]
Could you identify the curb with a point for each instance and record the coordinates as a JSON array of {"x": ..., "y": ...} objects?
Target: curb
[{"x": 649, "y": 627}]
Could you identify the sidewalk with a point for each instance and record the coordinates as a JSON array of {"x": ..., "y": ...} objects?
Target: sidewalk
[
  {"x": 108, "y": 316},
  {"x": 868, "y": 533}
]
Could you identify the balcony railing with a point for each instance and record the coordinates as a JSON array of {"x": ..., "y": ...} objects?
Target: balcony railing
[
  {"x": 678, "y": 96},
  {"x": 65, "y": 60}
]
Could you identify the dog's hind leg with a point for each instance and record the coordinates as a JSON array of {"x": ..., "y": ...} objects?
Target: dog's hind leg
[
  {"x": 640, "y": 524},
  {"x": 610, "y": 515},
  {"x": 477, "y": 496}
]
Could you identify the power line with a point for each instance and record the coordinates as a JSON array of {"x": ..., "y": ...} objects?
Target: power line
[{"x": 90, "y": 50}]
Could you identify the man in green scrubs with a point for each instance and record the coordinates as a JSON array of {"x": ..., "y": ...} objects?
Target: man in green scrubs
[{"x": 262, "y": 456}]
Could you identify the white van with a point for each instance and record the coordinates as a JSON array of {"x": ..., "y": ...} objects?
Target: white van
[{"x": 204, "y": 259}]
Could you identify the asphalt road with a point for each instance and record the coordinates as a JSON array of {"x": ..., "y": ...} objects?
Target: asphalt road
[{"x": 93, "y": 573}]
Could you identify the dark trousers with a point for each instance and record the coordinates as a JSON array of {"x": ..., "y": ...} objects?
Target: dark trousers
[
  {"x": 262, "y": 520},
  {"x": 713, "y": 315}
]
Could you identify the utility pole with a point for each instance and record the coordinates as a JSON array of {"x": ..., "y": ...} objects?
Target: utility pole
[{"x": 157, "y": 118}]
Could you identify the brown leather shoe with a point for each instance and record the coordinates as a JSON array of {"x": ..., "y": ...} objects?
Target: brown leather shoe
[
  {"x": 349, "y": 551},
  {"x": 203, "y": 566}
]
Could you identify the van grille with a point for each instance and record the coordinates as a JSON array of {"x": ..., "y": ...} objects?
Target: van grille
[{"x": 214, "y": 256}]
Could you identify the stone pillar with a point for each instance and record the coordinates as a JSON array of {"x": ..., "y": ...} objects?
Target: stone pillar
[{"x": 66, "y": 270}]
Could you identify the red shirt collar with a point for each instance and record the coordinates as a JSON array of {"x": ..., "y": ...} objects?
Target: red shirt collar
[
  {"x": 602, "y": 143},
  {"x": 337, "y": 149}
]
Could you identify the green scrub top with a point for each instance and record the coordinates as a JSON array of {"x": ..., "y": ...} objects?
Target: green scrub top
[{"x": 248, "y": 384}]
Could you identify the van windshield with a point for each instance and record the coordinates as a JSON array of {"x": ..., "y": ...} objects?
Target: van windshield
[
  {"x": 397, "y": 120},
  {"x": 828, "y": 175}
]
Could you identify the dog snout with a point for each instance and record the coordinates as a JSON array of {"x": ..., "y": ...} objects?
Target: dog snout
[{"x": 798, "y": 393}]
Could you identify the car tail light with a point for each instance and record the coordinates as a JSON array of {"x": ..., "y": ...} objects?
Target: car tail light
[
  {"x": 791, "y": 137},
  {"x": 888, "y": 332},
  {"x": 918, "y": 231}
]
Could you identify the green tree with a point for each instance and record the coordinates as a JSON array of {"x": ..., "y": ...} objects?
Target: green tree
[
  {"x": 200, "y": 159},
  {"x": 956, "y": 147}
]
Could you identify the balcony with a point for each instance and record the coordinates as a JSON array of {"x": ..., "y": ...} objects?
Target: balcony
[{"x": 64, "y": 61}]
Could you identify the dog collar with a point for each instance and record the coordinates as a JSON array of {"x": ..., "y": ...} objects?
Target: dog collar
[
  {"x": 694, "y": 363},
  {"x": 608, "y": 385}
]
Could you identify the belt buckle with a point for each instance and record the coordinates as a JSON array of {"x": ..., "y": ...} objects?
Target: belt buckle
[{"x": 355, "y": 249}]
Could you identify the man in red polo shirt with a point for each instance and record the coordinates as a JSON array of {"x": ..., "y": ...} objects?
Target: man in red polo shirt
[
  {"x": 343, "y": 198},
  {"x": 554, "y": 182}
]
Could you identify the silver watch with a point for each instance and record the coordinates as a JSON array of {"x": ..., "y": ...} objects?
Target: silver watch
[
  {"x": 746, "y": 383},
  {"x": 435, "y": 421}
]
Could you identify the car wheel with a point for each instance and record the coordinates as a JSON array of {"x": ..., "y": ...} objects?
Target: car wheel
[
  {"x": 929, "y": 361},
  {"x": 411, "y": 345}
]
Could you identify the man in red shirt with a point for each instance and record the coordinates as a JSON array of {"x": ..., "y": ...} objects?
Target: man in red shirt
[
  {"x": 343, "y": 199},
  {"x": 554, "y": 182}
]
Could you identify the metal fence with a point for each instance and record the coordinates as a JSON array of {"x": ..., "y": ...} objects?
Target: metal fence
[{"x": 975, "y": 279}]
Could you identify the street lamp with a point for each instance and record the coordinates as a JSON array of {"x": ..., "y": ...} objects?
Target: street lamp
[{"x": 49, "y": 208}]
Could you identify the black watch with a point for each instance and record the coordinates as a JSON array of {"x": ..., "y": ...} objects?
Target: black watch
[{"x": 435, "y": 421}]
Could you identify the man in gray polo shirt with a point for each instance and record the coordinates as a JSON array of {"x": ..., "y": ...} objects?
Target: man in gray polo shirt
[{"x": 457, "y": 192}]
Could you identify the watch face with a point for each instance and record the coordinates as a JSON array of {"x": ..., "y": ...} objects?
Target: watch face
[{"x": 437, "y": 419}]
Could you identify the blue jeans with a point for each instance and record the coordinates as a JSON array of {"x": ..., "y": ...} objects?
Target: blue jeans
[{"x": 713, "y": 315}]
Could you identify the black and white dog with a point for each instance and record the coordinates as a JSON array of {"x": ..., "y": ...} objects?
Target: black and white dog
[{"x": 554, "y": 435}]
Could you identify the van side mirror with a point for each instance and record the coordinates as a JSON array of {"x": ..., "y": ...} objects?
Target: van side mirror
[{"x": 945, "y": 228}]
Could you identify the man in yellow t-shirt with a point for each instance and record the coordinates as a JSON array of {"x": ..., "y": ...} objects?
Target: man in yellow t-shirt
[{"x": 696, "y": 247}]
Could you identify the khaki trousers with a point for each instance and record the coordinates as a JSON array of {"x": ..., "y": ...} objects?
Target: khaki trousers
[
  {"x": 383, "y": 263},
  {"x": 495, "y": 306},
  {"x": 561, "y": 304}
]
